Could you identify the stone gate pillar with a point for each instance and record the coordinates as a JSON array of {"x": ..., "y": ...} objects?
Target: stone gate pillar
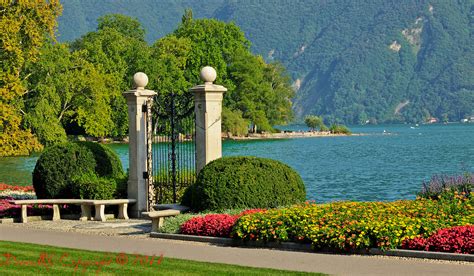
[
  {"x": 208, "y": 109},
  {"x": 137, "y": 147}
]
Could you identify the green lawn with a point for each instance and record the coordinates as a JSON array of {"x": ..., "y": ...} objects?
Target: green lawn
[{"x": 33, "y": 259}]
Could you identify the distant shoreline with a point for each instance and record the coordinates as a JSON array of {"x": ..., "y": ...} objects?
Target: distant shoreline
[
  {"x": 228, "y": 136},
  {"x": 285, "y": 135}
]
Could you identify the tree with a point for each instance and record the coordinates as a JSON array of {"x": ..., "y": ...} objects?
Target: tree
[
  {"x": 314, "y": 122},
  {"x": 24, "y": 28},
  {"x": 257, "y": 92},
  {"x": 125, "y": 25},
  {"x": 67, "y": 89},
  {"x": 119, "y": 49}
]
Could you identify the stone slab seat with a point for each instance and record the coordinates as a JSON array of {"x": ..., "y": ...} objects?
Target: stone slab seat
[
  {"x": 157, "y": 217},
  {"x": 178, "y": 207},
  {"x": 85, "y": 207},
  {"x": 100, "y": 208}
]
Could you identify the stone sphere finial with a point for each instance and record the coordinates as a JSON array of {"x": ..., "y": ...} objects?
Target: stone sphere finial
[
  {"x": 140, "y": 80},
  {"x": 208, "y": 74}
]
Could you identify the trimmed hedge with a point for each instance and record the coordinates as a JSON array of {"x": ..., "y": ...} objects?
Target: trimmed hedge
[
  {"x": 90, "y": 186},
  {"x": 57, "y": 166},
  {"x": 60, "y": 164},
  {"x": 108, "y": 163},
  {"x": 244, "y": 182}
]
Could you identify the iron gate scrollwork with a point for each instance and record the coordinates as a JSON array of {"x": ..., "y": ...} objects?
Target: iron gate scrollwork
[{"x": 171, "y": 146}]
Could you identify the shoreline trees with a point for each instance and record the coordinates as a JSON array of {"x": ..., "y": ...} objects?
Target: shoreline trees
[{"x": 58, "y": 89}]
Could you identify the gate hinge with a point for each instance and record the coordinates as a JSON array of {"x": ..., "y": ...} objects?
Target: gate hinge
[
  {"x": 145, "y": 175},
  {"x": 144, "y": 108}
]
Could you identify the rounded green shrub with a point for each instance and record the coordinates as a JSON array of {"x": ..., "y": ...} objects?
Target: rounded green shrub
[
  {"x": 60, "y": 164},
  {"x": 57, "y": 166},
  {"x": 108, "y": 163},
  {"x": 90, "y": 186},
  {"x": 244, "y": 182}
]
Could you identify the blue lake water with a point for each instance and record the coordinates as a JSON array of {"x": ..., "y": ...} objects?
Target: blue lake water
[{"x": 374, "y": 166}]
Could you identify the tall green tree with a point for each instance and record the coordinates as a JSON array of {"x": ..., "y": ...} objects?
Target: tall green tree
[
  {"x": 24, "y": 28},
  {"x": 67, "y": 89},
  {"x": 119, "y": 48},
  {"x": 125, "y": 25},
  {"x": 257, "y": 92}
]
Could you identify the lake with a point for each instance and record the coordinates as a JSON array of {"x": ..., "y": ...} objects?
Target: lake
[{"x": 379, "y": 165}]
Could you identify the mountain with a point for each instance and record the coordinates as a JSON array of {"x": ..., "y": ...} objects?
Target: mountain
[{"x": 351, "y": 61}]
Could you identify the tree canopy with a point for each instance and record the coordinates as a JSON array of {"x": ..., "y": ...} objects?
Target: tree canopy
[
  {"x": 258, "y": 92},
  {"x": 24, "y": 27},
  {"x": 56, "y": 89}
]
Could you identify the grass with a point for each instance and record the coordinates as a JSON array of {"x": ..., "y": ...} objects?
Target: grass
[{"x": 32, "y": 259}]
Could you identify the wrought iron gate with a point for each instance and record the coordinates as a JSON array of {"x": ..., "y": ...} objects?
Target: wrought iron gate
[{"x": 171, "y": 147}]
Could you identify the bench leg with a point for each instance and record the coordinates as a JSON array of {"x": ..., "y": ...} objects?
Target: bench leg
[
  {"x": 122, "y": 214},
  {"x": 156, "y": 223},
  {"x": 24, "y": 214},
  {"x": 56, "y": 214},
  {"x": 85, "y": 212},
  {"x": 100, "y": 212}
]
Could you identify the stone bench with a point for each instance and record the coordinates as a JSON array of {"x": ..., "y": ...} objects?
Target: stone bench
[
  {"x": 86, "y": 205},
  {"x": 157, "y": 217},
  {"x": 100, "y": 208}
]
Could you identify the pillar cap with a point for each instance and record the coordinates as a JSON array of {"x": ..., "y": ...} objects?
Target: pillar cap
[
  {"x": 140, "y": 80},
  {"x": 208, "y": 74}
]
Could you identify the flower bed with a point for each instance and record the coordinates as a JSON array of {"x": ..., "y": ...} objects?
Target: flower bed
[
  {"x": 8, "y": 193},
  {"x": 356, "y": 225},
  {"x": 10, "y": 210},
  {"x": 458, "y": 239},
  {"x": 215, "y": 225},
  {"x": 6, "y": 187}
]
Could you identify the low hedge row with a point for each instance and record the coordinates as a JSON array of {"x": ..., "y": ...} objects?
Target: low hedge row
[{"x": 356, "y": 225}]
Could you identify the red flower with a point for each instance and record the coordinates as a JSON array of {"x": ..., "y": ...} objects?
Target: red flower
[
  {"x": 459, "y": 239},
  {"x": 214, "y": 225}
]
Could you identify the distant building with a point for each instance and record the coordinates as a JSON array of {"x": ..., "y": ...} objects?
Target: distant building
[{"x": 431, "y": 120}]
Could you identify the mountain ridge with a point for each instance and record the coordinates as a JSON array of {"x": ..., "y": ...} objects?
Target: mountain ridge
[{"x": 351, "y": 62}]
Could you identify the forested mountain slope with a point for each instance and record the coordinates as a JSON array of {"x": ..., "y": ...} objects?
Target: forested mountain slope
[{"x": 351, "y": 61}]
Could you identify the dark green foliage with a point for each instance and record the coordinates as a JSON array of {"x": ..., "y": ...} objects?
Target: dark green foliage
[
  {"x": 63, "y": 166},
  {"x": 108, "y": 163},
  {"x": 244, "y": 182},
  {"x": 314, "y": 122},
  {"x": 90, "y": 186},
  {"x": 127, "y": 26},
  {"x": 122, "y": 185},
  {"x": 57, "y": 166},
  {"x": 339, "y": 129},
  {"x": 164, "y": 186},
  {"x": 233, "y": 122}
]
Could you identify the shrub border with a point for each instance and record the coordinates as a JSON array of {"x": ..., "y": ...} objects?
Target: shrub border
[{"x": 307, "y": 247}]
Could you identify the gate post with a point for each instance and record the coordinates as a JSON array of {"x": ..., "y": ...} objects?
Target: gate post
[
  {"x": 208, "y": 109},
  {"x": 137, "y": 144}
]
